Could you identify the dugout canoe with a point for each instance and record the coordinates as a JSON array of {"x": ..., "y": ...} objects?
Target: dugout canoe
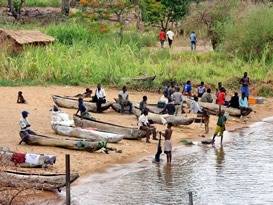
[
  {"x": 213, "y": 109},
  {"x": 72, "y": 103},
  {"x": 88, "y": 134},
  {"x": 163, "y": 119},
  {"x": 6, "y": 158},
  {"x": 49, "y": 182},
  {"x": 144, "y": 78},
  {"x": 65, "y": 143},
  {"x": 151, "y": 108},
  {"x": 132, "y": 133}
]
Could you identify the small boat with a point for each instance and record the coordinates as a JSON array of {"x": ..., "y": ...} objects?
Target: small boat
[
  {"x": 29, "y": 160},
  {"x": 88, "y": 134},
  {"x": 163, "y": 119},
  {"x": 144, "y": 78},
  {"x": 128, "y": 132},
  {"x": 72, "y": 103},
  {"x": 213, "y": 109},
  {"x": 49, "y": 182},
  {"x": 65, "y": 143},
  {"x": 151, "y": 108}
]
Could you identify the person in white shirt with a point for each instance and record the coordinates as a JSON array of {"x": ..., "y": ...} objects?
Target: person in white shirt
[
  {"x": 143, "y": 124},
  {"x": 100, "y": 97},
  {"x": 123, "y": 100},
  {"x": 59, "y": 117},
  {"x": 170, "y": 36},
  {"x": 195, "y": 107},
  {"x": 163, "y": 101},
  {"x": 25, "y": 128}
]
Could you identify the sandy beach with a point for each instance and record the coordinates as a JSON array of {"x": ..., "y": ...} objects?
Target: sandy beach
[{"x": 39, "y": 103}]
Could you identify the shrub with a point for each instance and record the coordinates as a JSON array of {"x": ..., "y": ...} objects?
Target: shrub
[{"x": 251, "y": 36}]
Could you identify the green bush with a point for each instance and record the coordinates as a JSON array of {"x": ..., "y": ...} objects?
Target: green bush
[{"x": 251, "y": 36}]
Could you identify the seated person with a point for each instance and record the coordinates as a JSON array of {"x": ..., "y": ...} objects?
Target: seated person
[
  {"x": 25, "y": 131},
  {"x": 143, "y": 124},
  {"x": 234, "y": 101},
  {"x": 83, "y": 111},
  {"x": 143, "y": 104},
  {"x": 86, "y": 94},
  {"x": 207, "y": 97},
  {"x": 20, "y": 98},
  {"x": 123, "y": 100},
  {"x": 169, "y": 109},
  {"x": 163, "y": 101},
  {"x": 195, "y": 107},
  {"x": 99, "y": 98}
]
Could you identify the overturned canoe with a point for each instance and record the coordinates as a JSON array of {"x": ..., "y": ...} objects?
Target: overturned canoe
[
  {"x": 72, "y": 103},
  {"x": 64, "y": 143},
  {"x": 164, "y": 119},
  {"x": 88, "y": 134},
  {"x": 128, "y": 132},
  {"x": 47, "y": 182},
  {"x": 116, "y": 106}
]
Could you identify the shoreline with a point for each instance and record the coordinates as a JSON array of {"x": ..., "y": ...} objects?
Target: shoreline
[{"x": 39, "y": 102}]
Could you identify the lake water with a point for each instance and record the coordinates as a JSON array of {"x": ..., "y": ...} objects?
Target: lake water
[{"x": 240, "y": 172}]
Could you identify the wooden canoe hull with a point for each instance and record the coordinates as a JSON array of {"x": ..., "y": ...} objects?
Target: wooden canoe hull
[
  {"x": 72, "y": 103},
  {"x": 214, "y": 109},
  {"x": 163, "y": 119},
  {"x": 90, "y": 135},
  {"x": 65, "y": 143},
  {"x": 47, "y": 182},
  {"x": 128, "y": 132},
  {"x": 152, "y": 108}
]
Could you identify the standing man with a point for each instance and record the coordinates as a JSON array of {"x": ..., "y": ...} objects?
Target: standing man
[
  {"x": 123, "y": 98},
  {"x": 178, "y": 101},
  {"x": 245, "y": 83},
  {"x": 170, "y": 35},
  {"x": 99, "y": 97},
  {"x": 25, "y": 128},
  {"x": 143, "y": 104},
  {"x": 193, "y": 40},
  {"x": 162, "y": 37},
  {"x": 143, "y": 124},
  {"x": 168, "y": 144}
]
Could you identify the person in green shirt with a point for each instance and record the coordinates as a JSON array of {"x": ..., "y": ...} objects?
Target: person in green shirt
[{"x": 220, "y": 127}]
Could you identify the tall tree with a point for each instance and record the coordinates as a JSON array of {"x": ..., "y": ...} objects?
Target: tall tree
[{"x": 162, "y": 12}]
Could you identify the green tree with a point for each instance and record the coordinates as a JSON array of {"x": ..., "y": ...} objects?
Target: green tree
[{"x": 162, "y": 12}]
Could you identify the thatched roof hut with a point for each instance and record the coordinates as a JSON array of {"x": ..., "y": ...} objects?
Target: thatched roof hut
[{"x": 15, "y": 40}]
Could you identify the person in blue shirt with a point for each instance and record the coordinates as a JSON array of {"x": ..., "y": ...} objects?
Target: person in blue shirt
[
  {"x": 83, "y": 111},
  {"x": 193, "y": 40},
  {"x": 243, "y": 103},
  {"x": 187, "y": 88}
]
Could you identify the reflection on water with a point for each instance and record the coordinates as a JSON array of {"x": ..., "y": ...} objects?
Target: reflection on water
[{"x": 241, "y": 172}]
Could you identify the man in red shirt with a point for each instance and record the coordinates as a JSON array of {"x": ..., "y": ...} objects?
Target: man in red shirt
[
  {"x": 162, "y": 37},
  {"x": 221, "y": 97}
]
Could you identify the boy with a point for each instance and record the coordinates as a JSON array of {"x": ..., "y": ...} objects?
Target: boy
[
  {"x": 221, "y": 126},
  {"x": 168, "y": 144}
]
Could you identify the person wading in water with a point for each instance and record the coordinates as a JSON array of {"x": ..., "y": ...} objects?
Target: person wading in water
[{"x": 168, "y": 144}]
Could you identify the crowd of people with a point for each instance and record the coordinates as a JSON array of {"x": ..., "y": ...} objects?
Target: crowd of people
[{"x": 171, "y": 103}]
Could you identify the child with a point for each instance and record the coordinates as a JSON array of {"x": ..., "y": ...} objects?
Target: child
[
  {"x": 221, "y": 126},
  {"x": 20, "y": 98},
  {"x": 168, "y": 144}
]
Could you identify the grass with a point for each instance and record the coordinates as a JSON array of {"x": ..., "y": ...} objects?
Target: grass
[
  {"x": 84, "y": 53},
  {"x": 36, "y": 3}
]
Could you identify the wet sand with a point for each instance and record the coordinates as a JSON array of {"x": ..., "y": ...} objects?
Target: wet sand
[{"x": 39, "y": 103}]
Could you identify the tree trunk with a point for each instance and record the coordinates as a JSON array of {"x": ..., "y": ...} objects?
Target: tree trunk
[{"x": 65, "y": 7}]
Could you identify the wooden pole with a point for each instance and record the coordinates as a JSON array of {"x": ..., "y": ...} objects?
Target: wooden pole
[
  {"x": 190, "y": 198},
  {"x": 67, "y": 172}
]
